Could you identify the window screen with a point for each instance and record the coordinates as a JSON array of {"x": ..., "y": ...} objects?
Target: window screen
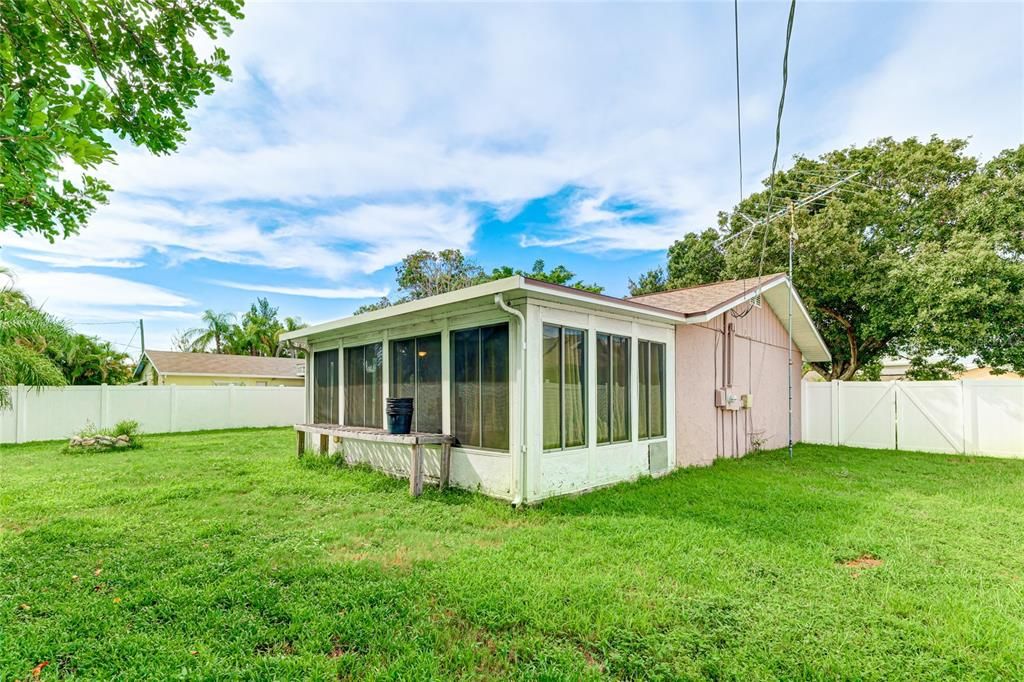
[
  {"x": 480, "y": 402},
  {"x": 612, "y": 375},
  {"x": 652, "y": 389},
  {"x": 325, "y": 387},
  {"x": 416, "y": 374},
  {"x": 565, "y": 380},
  {"x": 364, "y": 388}
]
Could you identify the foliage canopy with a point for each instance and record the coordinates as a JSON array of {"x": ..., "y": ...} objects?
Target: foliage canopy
[
  {"x": 921, "y": 255},
  {"x": 428, "y": 273},
  {"x": 74, "y": 74}
]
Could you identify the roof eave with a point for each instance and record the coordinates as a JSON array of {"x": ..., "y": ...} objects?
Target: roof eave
[
  {"x": 487, "y": 290},
  {"x": 825, "y": 355}
]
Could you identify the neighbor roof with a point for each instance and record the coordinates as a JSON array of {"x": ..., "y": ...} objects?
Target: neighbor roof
[{"x": 171, "y": 362}]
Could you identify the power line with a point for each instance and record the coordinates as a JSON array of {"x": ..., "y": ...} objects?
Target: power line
[
  {"x": 778, "y": 133},
  {"x": 739, "y": 120},
  {"x": 782, "y": 101},
  {"x": 134, "y": 333},
  {"x": 775, "y": 153},
  {"x": 83, "y": 324}
]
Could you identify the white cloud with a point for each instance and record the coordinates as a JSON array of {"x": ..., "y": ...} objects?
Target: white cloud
[
  {"x": 310, "y": 292},
  {"x": 501, "y": 105},
  {"x": 66, "y": 293},
  {"x": 959, "y": 73},
  {"x": 372, "y": 130},
  {"x": 359, "y": 240}
]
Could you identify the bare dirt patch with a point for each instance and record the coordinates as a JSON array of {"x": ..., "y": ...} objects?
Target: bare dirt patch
[{"x": 864, "y": 561}]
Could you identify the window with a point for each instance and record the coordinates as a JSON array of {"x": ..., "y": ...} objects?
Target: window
[
  {"x": 652, "y": 389},
  {"x": 416, "y": 374},
  {"x": 612, "y": 388},
  {"x": 564, "y": 370},
  {"x": 480, "y": 387},
  {"x": 325, "y": 386},
  {"x": 364, "y": 388}
]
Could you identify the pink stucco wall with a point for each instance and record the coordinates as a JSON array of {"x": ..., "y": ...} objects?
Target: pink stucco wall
[{"x": 705, "y": 432}]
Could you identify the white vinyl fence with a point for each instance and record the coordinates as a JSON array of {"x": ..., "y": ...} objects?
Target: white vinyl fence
[
  {"x": 52, "y": 413},
  {"x": 972, "y": 417}
]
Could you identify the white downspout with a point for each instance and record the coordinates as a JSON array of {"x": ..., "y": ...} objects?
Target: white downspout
[{"x": 517, "y": 499}]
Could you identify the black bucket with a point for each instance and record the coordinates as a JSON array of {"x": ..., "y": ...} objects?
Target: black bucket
[{"x": 399, "y": 412}]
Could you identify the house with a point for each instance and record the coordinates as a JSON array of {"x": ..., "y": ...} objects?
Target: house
[
  {"x": 895, "y": 369},
  {"x": 215, "y": 369},
  {"x": 548, "y": 390}
]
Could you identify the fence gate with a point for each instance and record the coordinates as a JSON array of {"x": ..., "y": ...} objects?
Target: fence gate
[
  {"x": 867, "y": 418},
  {"x": 929, "y": 416},
  {"x": 974, "y": 416}
]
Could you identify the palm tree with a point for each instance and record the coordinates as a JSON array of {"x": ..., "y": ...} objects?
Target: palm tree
[
  {"x": 9, "y": 295},
  {"x": 258, "y": 332},
  {"x": 25, "y": 336},
  {"x": 217, "y": 327},
  {"x": 289, "y": 348}
]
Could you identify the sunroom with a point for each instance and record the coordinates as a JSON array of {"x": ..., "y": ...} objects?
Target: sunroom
[{"x": 521, "y": 389}]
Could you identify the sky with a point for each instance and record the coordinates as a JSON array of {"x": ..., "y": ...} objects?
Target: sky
[{"x": 586, "y": 134}]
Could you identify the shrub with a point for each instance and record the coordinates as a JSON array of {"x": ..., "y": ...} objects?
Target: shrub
[
  {"x": 124, "y": 435},
  {"x": 125, "y": 427}
]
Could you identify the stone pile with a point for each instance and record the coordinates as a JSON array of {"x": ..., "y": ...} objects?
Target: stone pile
[{"x": 100, "y": 441}]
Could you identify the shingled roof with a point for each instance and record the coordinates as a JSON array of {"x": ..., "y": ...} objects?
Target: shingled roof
[
  {"x": 706, "y": 297},
  {"x": 171, "y": 362}
]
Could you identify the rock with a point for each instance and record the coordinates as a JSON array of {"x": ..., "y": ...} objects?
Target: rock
[
  {"x": 123, "y": 438},
  {"x": 121, "y": 443},
  {"x": 87, "y": 442}
]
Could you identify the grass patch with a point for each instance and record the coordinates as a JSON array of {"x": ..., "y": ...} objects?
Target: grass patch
[{"x": 219, "y": 555}]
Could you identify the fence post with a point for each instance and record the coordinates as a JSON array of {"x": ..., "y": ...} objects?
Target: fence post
[
  {"x": 173, "y": 426},
  {"x": 970, "y": 416},
  {"x": 20, "y": 414},
  {"x": 834, "y": 400},
  {"x": 803, "y": 410},
  {"x": 897, "y": 396},
  {"x": 104, "y": 406}
]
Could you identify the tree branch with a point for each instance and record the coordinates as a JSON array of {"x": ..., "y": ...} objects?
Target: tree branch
[{"x": 851, "y": 339}]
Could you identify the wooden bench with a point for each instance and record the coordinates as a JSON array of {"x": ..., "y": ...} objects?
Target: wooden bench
[{"x": 416, "y": 441}]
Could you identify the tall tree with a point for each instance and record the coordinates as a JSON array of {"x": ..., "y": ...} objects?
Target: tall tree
[
  {"x": 650, "y": 282},
  {"x": 74, "y": 75},
  {"x": 920, "y": 255},
  {"x": 288, "y": 348},
  {"x": 426, "y": 273},
  {"x": 557, "y": 275},
  {"x": 696, "y": 259},
  {"x": 89, "y": 361},
  {"x": 37, "y": 349},
  {"x": 25, "y": 335},
  {"x": 215, "y": 329}
]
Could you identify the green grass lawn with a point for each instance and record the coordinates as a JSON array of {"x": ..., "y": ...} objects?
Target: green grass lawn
[{"x": 219, "y": 555}]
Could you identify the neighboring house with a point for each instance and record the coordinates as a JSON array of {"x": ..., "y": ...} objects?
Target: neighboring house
[
  {"x": 215, "y": 369},
  {"x": 551, "y": 390},
  {"x": 895, "y": 369}
]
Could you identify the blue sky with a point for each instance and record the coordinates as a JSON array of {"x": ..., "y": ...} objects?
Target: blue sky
[{"x": 591, "y": 135}]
